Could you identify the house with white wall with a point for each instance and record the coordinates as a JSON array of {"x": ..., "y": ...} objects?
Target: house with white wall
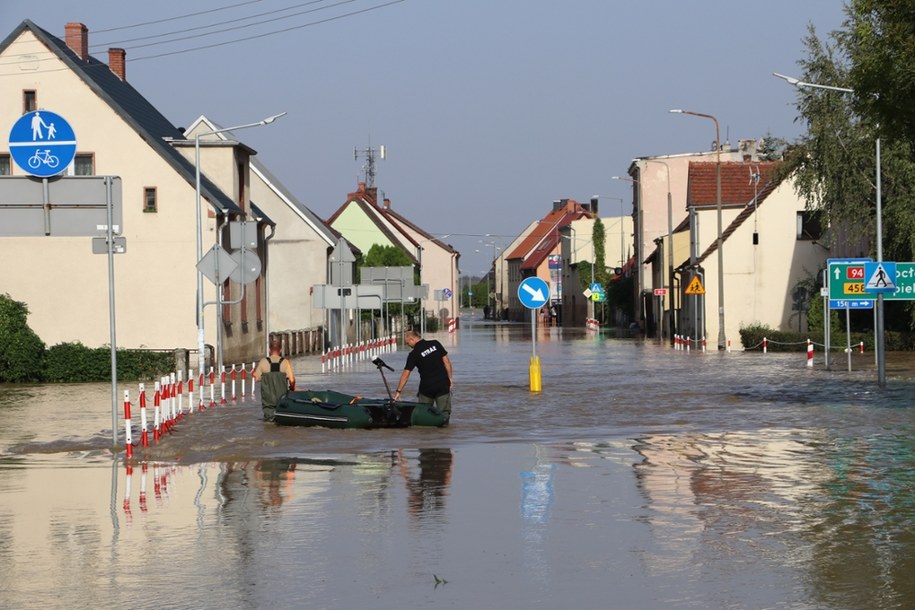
[
  {"x": 364, "y": 221},
  {"x": 770, "y": 246},
  {"x": 119, "y": 133}
]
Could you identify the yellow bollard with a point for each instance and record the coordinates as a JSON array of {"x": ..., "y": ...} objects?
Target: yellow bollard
[{"x": 535, "y": 374}]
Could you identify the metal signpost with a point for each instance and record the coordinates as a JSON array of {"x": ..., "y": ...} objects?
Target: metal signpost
[
  {"x": 533, "y": 293},
  {"x": 43, "y": 145},
  {"x": 845, "y": 282}
]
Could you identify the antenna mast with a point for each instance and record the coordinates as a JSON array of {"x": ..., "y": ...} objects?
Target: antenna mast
[{"x": 369, "y": 167}]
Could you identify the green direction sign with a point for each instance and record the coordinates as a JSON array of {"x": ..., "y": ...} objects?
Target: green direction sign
[
  {"x": 905, "y": 283},
  {"x": 846, "y": 281}
]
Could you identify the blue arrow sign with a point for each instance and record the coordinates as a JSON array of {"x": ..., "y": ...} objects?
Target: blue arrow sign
[
  {"x": 42, "y": 143},
  {"x": 851, "y": 304},
  {"x": 533, "y": 292}
]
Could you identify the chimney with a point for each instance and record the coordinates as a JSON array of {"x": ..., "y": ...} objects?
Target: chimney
[
  {"x": 117, "y": 61},
  {"x": 594, "y": 201},
  {"x": 371, "y": 193},
  {"x": 77, "y": 35},
  {"x": 387, "y": 203}
]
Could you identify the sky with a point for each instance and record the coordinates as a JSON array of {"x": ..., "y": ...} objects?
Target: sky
[{"x": 488, "y": 110}]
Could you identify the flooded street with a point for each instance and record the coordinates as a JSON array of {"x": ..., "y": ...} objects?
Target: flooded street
[{"x": 640, "y": 477}]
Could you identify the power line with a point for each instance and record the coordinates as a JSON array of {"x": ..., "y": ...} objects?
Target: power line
[
  {"x": 241, "y": 27},
  {"x": 265, "y": 34},
  {"x": 204, "y": 27},
  {"x": 176, "y": 18}
]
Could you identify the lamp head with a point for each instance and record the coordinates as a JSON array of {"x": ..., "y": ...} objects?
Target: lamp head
[
  {"x": 676, "y": 110},
  {"x": 270, "y": 119},
  {"x": 788, "y": 79}
]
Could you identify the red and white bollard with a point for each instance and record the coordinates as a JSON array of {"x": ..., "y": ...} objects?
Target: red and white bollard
[
  {"x": 861, "y": 347},
  {"x": 173, "y": 397},
  {"x": 452, "y": 325},
  {"x": 157, "y": 399},
  {"x": 144, "y": 433},
  {"x": 729, "y": 346},
  {"x": 180, "y": 395},
  {"x": 212, "y": 387},
  {"x": 200, "y": 406},
  {"x": 765, "y": 345},
  {"x": 809, "y": 353},
  {"x": 244, "y": 374},
  {"x": 128, "y": 438},
  {"x": 234, "y": 395},
  {"x": 222, "y": 385},
  {"x": 703, "y": 343},
  {"x": 253, "y": 366}
]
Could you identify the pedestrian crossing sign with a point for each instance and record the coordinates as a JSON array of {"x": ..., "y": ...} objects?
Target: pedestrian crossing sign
[
  {"x": 695, "y": 286},
  {"x": 880, "y": 277}
]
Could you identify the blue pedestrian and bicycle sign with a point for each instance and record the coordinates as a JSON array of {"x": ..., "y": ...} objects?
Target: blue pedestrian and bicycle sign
[
  {"x": 533, "y": 292},
  {"x": 42, "y": 143}
]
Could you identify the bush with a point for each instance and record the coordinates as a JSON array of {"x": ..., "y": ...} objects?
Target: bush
[
  {"x": 74, "y": 363},
  {"x": 793, "y": 341},
  {"x": 21, "y": 351}
]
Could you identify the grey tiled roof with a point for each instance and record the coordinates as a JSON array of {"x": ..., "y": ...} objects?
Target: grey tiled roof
[{"x": 132, "y": 107}]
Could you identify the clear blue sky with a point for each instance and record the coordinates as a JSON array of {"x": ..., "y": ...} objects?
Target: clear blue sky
[{"x": 489, "y": 109}]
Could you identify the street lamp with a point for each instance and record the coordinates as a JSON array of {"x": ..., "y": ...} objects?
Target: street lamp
[
  {"x": 201, "y": 340},
  {"x": 878, "y": 313},
  {"x": 722, "y": 341}
]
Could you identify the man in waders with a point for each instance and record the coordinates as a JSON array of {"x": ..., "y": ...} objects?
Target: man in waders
[
  {"x": 276, "y": 378},
  {"x": 435, "y": 382}
]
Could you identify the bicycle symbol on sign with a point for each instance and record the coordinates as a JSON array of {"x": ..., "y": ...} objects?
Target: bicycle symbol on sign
[{"x": 43, "y": 157}]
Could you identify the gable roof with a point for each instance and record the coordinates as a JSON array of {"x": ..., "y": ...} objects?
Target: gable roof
[
  {"x": 150, "y": 124},
  {"x": 327, "y": 233},
  {"x": 753, "y": 197},
  {"x": 543, "y": 238},
  {"x": 737, "y": 183},
  {"x": 365, "y": 199}
]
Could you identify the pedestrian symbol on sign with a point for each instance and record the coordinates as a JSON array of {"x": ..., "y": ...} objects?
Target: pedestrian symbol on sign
[{"x": 695, "y": 287}]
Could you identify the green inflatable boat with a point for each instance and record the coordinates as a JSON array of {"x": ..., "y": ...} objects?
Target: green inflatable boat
[{"x": 331, "y": 409}]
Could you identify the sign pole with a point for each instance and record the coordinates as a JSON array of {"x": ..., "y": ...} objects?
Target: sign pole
[{"x": 111, "y": 316}]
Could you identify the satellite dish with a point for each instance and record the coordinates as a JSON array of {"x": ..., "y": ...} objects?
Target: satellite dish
[{"x": 249, "y": 266}]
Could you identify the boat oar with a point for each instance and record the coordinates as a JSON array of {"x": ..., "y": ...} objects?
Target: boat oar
[{"x": 381, "y": 365}]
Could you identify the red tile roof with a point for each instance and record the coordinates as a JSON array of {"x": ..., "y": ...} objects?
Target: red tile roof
[
  {"x": 737, "y": 184},
  {"x": 542, "y": 240}
]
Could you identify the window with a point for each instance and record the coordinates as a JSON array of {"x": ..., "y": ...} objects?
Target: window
[
  {"x": 6, "y": 166},
  {"x": 84, "y": 164},
  {"x": 149, "y": 199},
  {"x": 29, "y": 101},
  {"x": 808, "y": 225}
]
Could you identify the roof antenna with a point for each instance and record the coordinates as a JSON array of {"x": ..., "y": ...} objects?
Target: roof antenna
[
  {"x": 754, "y": 180},
  {"x": 369, "y": 167}
]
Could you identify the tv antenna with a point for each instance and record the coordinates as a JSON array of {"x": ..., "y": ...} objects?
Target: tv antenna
[{"x": 369, "y": 167}]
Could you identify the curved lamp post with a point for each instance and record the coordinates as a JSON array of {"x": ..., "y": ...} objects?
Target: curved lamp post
[
  {"x": 722, "y": 340},
  {"x": 201, "y": 339},
  {"x": 878, "y": 312}
]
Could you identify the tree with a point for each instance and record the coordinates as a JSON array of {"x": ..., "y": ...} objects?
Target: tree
[{"x": 834, "y": 163}]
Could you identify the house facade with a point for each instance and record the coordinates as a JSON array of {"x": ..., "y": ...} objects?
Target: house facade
[
  {"x": 299, "y": 245},
  {"x": 119, "y": 133},
  {"x": 770, "y": 247},
  {"x": 364, "y": 222}
]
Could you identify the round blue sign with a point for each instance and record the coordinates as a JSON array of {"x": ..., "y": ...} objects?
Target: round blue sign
[
  {"x": 42, "y": 143},
  {"x": 533, "y": 292}
]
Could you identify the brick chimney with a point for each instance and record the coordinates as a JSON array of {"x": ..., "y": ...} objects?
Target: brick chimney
[
  {"x": 387, "y": 203},
  {"x": 371, "y": 193},
  {"x": 117, "y": 61},
  {"x": 77, "y": 38}
]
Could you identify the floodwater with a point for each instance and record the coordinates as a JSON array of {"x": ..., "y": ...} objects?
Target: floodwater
[{"x": 640, "y": 477}]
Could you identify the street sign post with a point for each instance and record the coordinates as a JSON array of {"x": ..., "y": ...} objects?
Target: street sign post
[
  {"x": 42, "y": 143},
  {"x": 533, "y": 293}
]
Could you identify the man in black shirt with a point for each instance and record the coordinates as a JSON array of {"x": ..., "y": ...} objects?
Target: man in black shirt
[{"x": 431, "y": 358}]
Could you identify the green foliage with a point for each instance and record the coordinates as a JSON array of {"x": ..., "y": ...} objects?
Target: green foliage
[
  {"x": 21, "y": 351},
  {"x": 789, "y": 341},
  {"x": 386, "y": 256},
  {"x": 835, "y": 162},
  {"x": 771, "y": 148},
  {"x": 74, "y": 363},
  {"x": 599, "y": 238}
]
